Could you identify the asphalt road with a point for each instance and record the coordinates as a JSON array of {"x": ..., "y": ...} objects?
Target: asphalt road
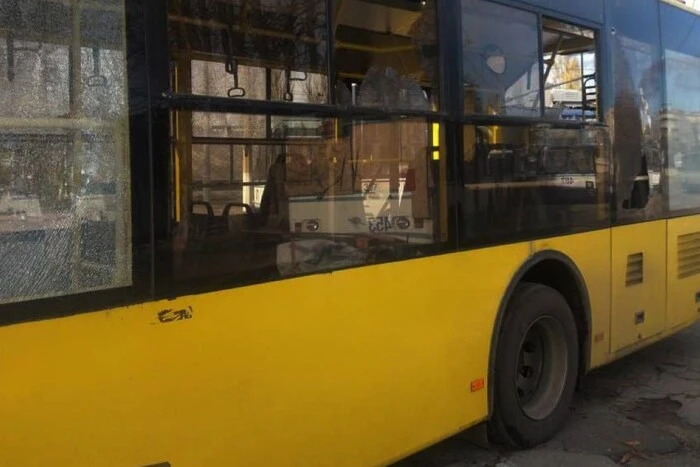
[{"x": 641, "y": 411}]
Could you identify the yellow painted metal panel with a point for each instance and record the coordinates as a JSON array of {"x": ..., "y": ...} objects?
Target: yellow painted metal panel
[
  {"x": 633, "y": 294},
  {"x": 436, "y": 141},
  {"x": 683, "y": 270},
  {"x": 356, "y": 367},
  {"x": 591, "y": 254}
]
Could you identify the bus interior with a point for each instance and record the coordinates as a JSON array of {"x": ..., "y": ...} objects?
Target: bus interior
[{"x": 270, "y": 193}]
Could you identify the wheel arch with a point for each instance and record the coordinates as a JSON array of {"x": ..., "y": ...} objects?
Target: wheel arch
[{"x": 536, "y": 269}]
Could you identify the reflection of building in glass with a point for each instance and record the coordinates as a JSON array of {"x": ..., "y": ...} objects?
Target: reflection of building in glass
[{"x": 682, "y": 130}]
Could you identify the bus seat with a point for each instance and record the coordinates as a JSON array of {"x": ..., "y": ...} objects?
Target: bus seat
[
  {"x": 199, "y": 222},
  {"x": 238, "y": 222}
]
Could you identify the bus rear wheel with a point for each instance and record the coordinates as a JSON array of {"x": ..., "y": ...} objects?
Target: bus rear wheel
[{"x": 536, "y": 367}]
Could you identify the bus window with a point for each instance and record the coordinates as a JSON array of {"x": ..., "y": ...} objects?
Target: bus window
[
  {"x": 265, "y": 50},
  {"x": 501, "y": 62},
  {"x": 637, "y": 112},
  {"x": 570, "y": 88},
  {"x": 386, "y": 54},
  {"x": 534, "y": 179},
  {"x": 681, "y": 114},
  {"x": 64, "y": 165},
  {"x": 302, "y": 195}
]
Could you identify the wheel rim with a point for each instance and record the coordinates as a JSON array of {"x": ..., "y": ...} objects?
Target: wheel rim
[{"x": 541, "y": 368}]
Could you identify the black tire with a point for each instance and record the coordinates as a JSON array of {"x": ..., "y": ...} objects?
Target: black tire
[{"x": 536, "y": 368}]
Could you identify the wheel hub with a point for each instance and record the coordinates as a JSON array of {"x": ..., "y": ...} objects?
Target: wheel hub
[{"x": 541, "y": 368}]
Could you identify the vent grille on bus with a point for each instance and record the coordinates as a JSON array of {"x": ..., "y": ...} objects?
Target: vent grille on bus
[
  {"x": 688, "y": 255},
  {"x": 635, "y": 269}
]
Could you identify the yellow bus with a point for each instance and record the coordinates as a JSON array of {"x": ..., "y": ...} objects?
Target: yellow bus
[{"x": 333, "y": 232}]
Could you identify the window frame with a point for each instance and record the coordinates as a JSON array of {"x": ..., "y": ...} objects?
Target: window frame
[
  {"x": 166, "y": 101},
  {"x": 540, "y": 13},
  {"x": 464, "y": 119}
]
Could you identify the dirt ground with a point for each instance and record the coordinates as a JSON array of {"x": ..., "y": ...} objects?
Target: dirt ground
[{"x": 641, "y": 411}]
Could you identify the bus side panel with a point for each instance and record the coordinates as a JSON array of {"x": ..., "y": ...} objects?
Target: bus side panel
[
  {"x": 356, "y": 367},
  {"x": 639, "y": 284},
  {"x": 683, "y": 271},
  {"x": 591, "y": 254}
]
